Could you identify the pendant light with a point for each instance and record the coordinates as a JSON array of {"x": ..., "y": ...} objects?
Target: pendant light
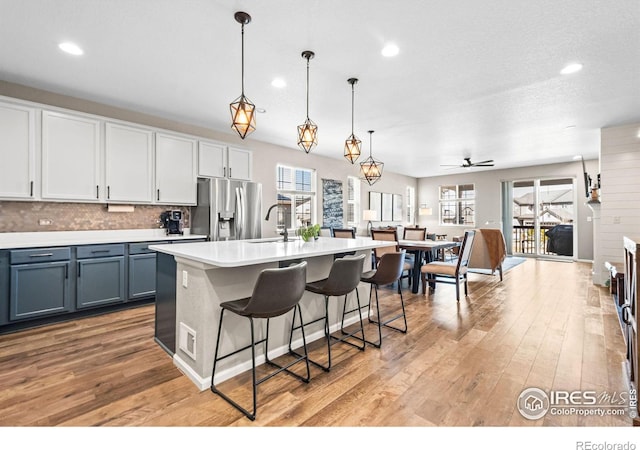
[
  {"x": 243, "y": 112},
  {"x": 371, "y": 169},
  {"x": 308, "y": 131},
  {"x": 352, "y": 144}
]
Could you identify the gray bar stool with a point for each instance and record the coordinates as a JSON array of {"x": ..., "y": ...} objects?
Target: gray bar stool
[
  {"x": 276, "y": 292},
  {"x": 390, "y": 268},
  {"x": 343, "y": 278}
]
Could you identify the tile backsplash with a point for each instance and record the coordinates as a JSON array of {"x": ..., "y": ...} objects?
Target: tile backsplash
[{"x": 53, "y": 216}]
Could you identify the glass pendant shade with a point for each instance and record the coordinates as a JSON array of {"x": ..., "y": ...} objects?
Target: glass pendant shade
[
  {"x": 370, "y": 168},
  {"x": 352, "y": 145},
  {"x": 243, "y": 117},
  {"x": 307, "y": 135},
  {"x": 308, "y": 131}
]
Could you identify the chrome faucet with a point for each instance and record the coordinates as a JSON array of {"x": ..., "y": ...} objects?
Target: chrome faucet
[{"x": 285, "y": 234}]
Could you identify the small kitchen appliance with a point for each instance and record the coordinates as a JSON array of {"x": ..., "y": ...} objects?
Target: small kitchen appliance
[{"x": 172, "y": 221}]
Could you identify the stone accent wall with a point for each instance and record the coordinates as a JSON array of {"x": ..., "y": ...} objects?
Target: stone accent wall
[{"x": 26, "y": 217}]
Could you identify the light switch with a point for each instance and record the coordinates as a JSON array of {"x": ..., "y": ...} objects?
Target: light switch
[{"x": 185, "y": 278}]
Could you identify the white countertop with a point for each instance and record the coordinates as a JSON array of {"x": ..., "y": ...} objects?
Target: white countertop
[
  {"x": 258, "y": 251},
  {"x": 58, "y": 238}
]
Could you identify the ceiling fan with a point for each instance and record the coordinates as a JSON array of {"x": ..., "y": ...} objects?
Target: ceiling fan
[{"x": 468, "y": 164}]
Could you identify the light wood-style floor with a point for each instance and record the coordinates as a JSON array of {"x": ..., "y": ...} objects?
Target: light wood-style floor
[{"x": 462, "y": 364}]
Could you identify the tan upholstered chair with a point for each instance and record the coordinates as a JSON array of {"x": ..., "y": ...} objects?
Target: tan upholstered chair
[
  {"x": 450, "y": 272},
  {"x": 415, "y": 234}
]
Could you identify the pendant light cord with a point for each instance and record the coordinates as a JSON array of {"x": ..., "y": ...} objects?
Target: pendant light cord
[
  {"x": 242, "y": 71},
  {"x": 308, "y": 87},
  {"x": 370, "y": 144},
  {"x": 352, "y": 103}
]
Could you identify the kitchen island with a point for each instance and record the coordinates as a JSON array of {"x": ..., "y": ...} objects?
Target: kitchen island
[{"x": 193, "y": 279}]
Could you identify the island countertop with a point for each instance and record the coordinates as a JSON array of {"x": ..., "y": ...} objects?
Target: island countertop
[{"x": 257, "y": 251}]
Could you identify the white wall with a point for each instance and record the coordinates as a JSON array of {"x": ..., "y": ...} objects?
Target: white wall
[
  {"x": 620, "y": 190},
  {"x": 265, "y": 156},
  {"x": 488, "y": 197}
]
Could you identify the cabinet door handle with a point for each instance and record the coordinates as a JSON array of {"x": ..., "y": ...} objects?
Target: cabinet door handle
[
  {"x": 97, "y": 191},
  {"x": 229, "y": 172},
  {"x": 108, "y": 192},
  {"x": 100, "y": 251},
  {"x": 66, "y": 271},
  {"x": 40, "y": 255},
  {"x": 31, "y": 189},
  {"x": 224, "y": 171},
  {"x": 158, "y": 195},
  {"x": 79, "y": 266}
]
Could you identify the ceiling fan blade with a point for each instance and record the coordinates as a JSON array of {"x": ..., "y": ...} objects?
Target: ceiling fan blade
[{"x": 480, "y": 163}]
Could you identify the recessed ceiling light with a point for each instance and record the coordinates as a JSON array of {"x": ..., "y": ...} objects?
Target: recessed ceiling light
[
  {"x": 71, "y": 48},
  {"x": 261, "y": 110},
  {"x": 278, "y": 83},
  {"x": 390, "y": 50},
  {"x": 571, "y": 68}
]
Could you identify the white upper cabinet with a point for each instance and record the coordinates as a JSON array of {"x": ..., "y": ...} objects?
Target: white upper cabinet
[
  {"x": 212, "y": 159},
  {"x": 128, "y": 164},
  {"x": 176, "y": 174},
  {"x": 17, "y": 151},
  {"x": 70, "y": 157},
  {"x": 239, "y": 164},
  {"x": 217, "y": 160}
]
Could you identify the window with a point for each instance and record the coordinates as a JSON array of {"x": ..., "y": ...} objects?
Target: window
[
  {"x": 296, "y": 195},
  {"x": 353, "y": 201},
  {"x": 458, "y": 205},
  {"x": 411, "y": 201}
]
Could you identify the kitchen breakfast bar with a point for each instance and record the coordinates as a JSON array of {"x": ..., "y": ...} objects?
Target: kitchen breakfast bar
[{"x": 193, "y": 279}]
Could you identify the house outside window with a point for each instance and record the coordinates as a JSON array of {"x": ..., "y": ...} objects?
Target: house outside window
[
  {"x": 296, "y": 195},
  {"x": 353, "y": 201},
  {"x": 457, "y": 205}
]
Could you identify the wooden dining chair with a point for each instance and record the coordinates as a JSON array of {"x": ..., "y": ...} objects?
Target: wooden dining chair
[
  {"x": 450, "y": 272},
  {"x": 390, "y": 235},
  {"x": 415, "y": 234},
  {"x": 343, "y": 233},
  {"x": 348, "y": 233}
]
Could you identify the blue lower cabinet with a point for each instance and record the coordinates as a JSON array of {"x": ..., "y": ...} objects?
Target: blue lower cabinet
[
  {"x": 100, "y": 281},
  {"x": 142, "y": 275},
  {"x": 38, "y": 290}
]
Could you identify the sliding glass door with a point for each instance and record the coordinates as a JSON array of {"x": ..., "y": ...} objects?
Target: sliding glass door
[{"x": 540, "y": 217}]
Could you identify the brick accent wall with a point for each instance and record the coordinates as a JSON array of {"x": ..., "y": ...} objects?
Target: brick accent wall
[{"x": 26, "y": 217}]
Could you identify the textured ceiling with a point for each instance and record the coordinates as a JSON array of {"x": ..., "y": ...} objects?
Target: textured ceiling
[{"x": 472, "y": 79}]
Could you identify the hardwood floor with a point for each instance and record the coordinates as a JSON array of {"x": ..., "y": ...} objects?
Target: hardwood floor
[{"x": 462, "y": 364}]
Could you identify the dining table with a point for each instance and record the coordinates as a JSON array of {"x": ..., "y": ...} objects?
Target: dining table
[{"x": 423, "y": 250}]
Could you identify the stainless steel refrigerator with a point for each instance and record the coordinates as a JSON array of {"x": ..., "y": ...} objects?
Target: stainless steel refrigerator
[{"x": 227, "y": 209}]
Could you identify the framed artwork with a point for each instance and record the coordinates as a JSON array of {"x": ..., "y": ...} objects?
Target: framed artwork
[
  {"x": 375, "y": 203},
  {"x": 397, "y": 207},
  {"x": 332, "y": 214},
  {"x": 387, "y": 207}
]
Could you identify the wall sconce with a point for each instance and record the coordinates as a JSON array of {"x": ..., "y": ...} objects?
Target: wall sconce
[{"x": 369, "y": 215}]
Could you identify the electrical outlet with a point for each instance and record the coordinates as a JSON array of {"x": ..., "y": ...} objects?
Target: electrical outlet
[
  {"x": 185, "y": 278},
  {"x": 44, "y": 222}
]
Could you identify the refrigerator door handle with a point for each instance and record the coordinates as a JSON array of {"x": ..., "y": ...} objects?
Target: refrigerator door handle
[{"x": 240, "y": 202}]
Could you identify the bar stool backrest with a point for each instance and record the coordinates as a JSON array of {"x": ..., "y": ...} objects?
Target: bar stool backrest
[
  {"x": 390, "y": 268},
  {"x": 277, "y": 291},
  {"x": 344, "y": 276}
]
